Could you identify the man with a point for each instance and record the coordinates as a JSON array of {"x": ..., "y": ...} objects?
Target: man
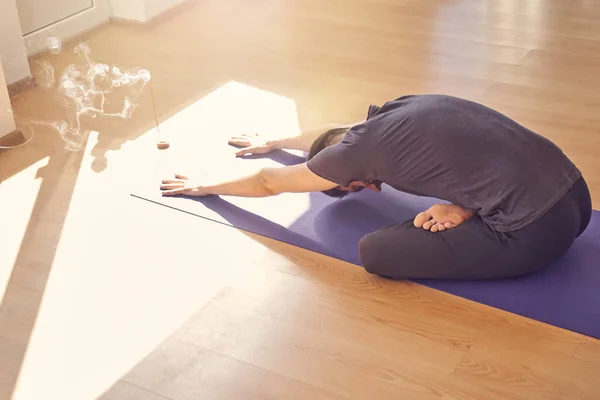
[{"x": 518, "y": 203}]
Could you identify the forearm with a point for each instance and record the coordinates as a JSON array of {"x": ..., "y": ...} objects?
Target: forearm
[{"x": 253, "y": 185}]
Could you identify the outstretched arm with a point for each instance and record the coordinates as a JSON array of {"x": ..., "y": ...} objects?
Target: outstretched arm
[{"x": 264, "y": 183}]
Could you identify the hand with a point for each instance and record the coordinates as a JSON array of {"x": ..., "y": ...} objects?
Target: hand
[
  {"x": 182, "y": 186},
  {"x": 441, "y": 217},
  {"x": 251, "y": 144}
]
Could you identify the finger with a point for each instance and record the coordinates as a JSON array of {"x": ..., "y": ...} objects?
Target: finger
[
  {"x": 239, "y": 141},
  {"x": 245, "y": 151},
  {"x": 175, "y": 192},
  {"x": 187, "y": 191},
  {"x": 171, "y": 186},
  {"x": 178, "y": 176},
  {"x": 169, "y": 181},
  {"x": 244, "y": 135},
  {"x": 421, "y": 219}
]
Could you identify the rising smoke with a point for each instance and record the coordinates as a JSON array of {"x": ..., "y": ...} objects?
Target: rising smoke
[
  {"x": 47, "y": 79},
  {"x": 83, "y": 88}
]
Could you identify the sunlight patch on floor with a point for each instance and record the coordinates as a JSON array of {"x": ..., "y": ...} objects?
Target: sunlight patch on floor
[
  {"x": 18, "y": 196},
  {"x": 232, "y": 109},
  {"x": 128, "y": 273}
]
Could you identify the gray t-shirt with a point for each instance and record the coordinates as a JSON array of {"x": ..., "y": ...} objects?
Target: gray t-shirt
[{"x": 455, "y": 150}]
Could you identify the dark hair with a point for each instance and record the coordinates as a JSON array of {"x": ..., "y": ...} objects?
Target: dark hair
[{"x": 319, "y": 144}]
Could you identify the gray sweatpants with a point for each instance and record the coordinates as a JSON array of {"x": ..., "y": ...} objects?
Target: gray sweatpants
[{"x": 473, "y": 250}]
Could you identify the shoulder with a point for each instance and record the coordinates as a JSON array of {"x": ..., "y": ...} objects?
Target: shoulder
[{"x": 354, "y": 146}]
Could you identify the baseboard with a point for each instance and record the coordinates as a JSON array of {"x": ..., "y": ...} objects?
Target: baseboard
[
  {"x": 127, "y": 22},
  {"x": 67, "y": 42},
  {"x": 13, "y": 139},
  {"x": 21, "y": 85}
]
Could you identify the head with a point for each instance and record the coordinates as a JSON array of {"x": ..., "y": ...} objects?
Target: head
[{"x": 332, "y": 137}]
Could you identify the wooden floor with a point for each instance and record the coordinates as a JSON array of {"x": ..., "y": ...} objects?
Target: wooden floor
[{"x": 108, "y": 297}]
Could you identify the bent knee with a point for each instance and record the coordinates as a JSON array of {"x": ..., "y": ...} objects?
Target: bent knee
[
  {"x": 367, "y": 251},
  {"x": 373, "y": 255}
]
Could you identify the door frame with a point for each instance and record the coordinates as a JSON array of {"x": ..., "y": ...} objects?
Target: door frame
[{"x": 69, "y": 27}]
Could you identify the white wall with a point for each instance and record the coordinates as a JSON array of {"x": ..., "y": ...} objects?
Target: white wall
[
  {"x": 37, "y": 14},
  {"x": 12, "y": 47},
  {"x": 13, "y": 52},
  {"x": 140, "y": 10},
  {"x": 67, "y": 28},
  {"x": 7, "y": 121},
  {"x": 133, "y": 10}
]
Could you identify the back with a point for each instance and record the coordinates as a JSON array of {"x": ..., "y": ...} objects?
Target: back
[{"x": 462, "y": 152}]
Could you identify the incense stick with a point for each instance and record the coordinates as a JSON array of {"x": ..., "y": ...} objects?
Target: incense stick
[
  {"x": 154, "y": 105},
  {"x": 162, "y": 144}
]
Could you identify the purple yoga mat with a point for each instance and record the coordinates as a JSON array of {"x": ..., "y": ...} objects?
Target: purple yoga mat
[{"x": 567, "y": 294}]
